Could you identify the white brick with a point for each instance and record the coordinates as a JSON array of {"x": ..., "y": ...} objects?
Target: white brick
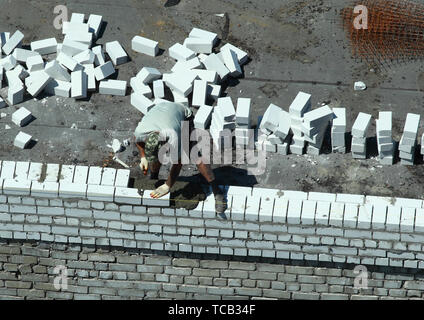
[
  {"x": 300, "y": 104},
  {"x": 144, "y": 45},
  {"x": 361, "y": 125},
  {"x": 22, "y": 140},
  {"x": 127, "y": 195},
  {"x": 214, "y": 91},
  {"x": 350, "y": 218},
  {"x": 294, "y": 211},
  {"x": 379, "y": 217},
  {"x": 100, "y": 193},
  {"x": 241, "y": 55},
  {"x": 140, "y": 102},
  {"x": 321, "y": 196},
  {"x": 21, "y": 117},
  {"x": 8, "y": 63},
  {"x": 72, "y": 190},
  {"x": 336, "y": 214},
  {"x": 113, "y": 87},
  {"x": 45, "y": 189},
  {"x": 407, "y": 220},
  {"x": 138, "y": 86},
  {"x": 45, "y": 46},
  {"x": 265, "y": 192},
  {"x": 412, "y": 123},
  {"x": 16, "y": 187},
  {"x": 148, "y": 75},
  {"x": 95, "y": 22},
  {"x": 151, "y": 202},
  {"x": 252, "y": 208},
  {"x": 22, "y": 55},
  {"x": 95, "y": 175},
  {"x": 289, "y": 194},
  {"x": 203, "y": 34},
  {"x": 99, "y": 57},
  {"x": 271, "y": 118},
  {"x": 350, "y": 198},
  {"x": 67, "y": 173},
  {"x": 317, "y": 116},
  {"x": 266, "y": 209},
  {"x": 180, "y": 52},
  {"x": 58, "y": 88},
  {"x": 202, "y": 118},
  {"x": 103, "y": 71},
  {"x": 69, "y": 26},
  {"x": 365, "y": 216},
  {"x": 191, "y": 64},
  {"x": 199, "y": 93},
  {"x": 57, "y": 71},
  {"x": 393, "y": 218},
  {"x": 79, "y": 83},
  {"x": 91, "y": 77},
  {"x": 158, "y": 89},
  {"x": 52, "y": 172},
  {"x": 419, "y": 220},
  {"x": 7, "y": 169},
  {"x": 80, "y": 175},
  {"x": 4, "y": 37},
  {"x": 243, "y": 111},
  {"x": 231, "y": 62},
  {"x": 35, "y": 170},
  {"x": 308, "y": 212},
  {"x": 68, "y": 62},
  {"x": 71, "y": 47},
  {"x": 108, "y": 177},
  {"x": 77, "y": 18},
  {"x": 209, "y": 76},
  {"x": 39, "y": 80},
  {"x": 199, "y": 45},
  {"x": 322, "y": 213},
  {"x": 182, "y": 83},
  {"x": 14, "y": 41},
  {"x": 212, "y": 62}
]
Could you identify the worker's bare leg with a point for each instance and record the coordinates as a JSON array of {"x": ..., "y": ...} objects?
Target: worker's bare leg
[{"x": 154, "y": 170}]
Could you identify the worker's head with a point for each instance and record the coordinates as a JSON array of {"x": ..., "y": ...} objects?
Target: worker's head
[{"x": 151, "y": 148}]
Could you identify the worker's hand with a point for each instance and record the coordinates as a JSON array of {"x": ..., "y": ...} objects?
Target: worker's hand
[{"x": 144, "y": 165}]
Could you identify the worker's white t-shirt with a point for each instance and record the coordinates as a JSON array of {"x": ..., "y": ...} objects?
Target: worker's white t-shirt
[{"x": 164, "y": 118}]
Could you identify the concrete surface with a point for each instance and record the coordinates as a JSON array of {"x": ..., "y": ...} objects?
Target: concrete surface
[{"x": 293, "y": 45}]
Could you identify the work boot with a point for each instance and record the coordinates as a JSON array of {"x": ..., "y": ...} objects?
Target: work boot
[{"x": 220, "y": 200}]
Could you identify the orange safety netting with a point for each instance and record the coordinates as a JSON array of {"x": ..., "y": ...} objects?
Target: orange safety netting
[{"x": 395, "y": 31}]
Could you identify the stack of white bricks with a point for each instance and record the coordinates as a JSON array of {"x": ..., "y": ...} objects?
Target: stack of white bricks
[
  {"x": 338, "y": 131},
  {"x": 385, "y": 143},
  {"x": 223, "y": 122},
  {"x": 196, "y": 73},
  {"x": 300, "y": 105},
  {"x": 274, "y": 131},
  {"x": 74, "y": 71},
  {"x": 244, "y": 135},
  {"x": 359, "y": 135},
  {"x": 408, "y": 142},
  {"x": 314, "y": 127}
]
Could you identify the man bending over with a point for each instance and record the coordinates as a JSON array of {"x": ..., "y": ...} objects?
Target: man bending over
[{"x": 165, "y": 119}]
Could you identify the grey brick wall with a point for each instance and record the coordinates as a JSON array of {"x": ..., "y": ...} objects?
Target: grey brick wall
[{"x": 27, "y": 271}]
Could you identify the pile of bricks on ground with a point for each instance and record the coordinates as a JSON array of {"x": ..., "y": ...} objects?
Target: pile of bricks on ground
[
  {"x": 304, "y": 130},
  {"x": 68, "y": 69},
  {"x": 195, "y": 80}
]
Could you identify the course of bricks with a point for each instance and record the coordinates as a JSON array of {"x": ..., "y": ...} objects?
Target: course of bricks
[
  {"x": 27, "y": 271},
  {"x": 93, "y": 206}
]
